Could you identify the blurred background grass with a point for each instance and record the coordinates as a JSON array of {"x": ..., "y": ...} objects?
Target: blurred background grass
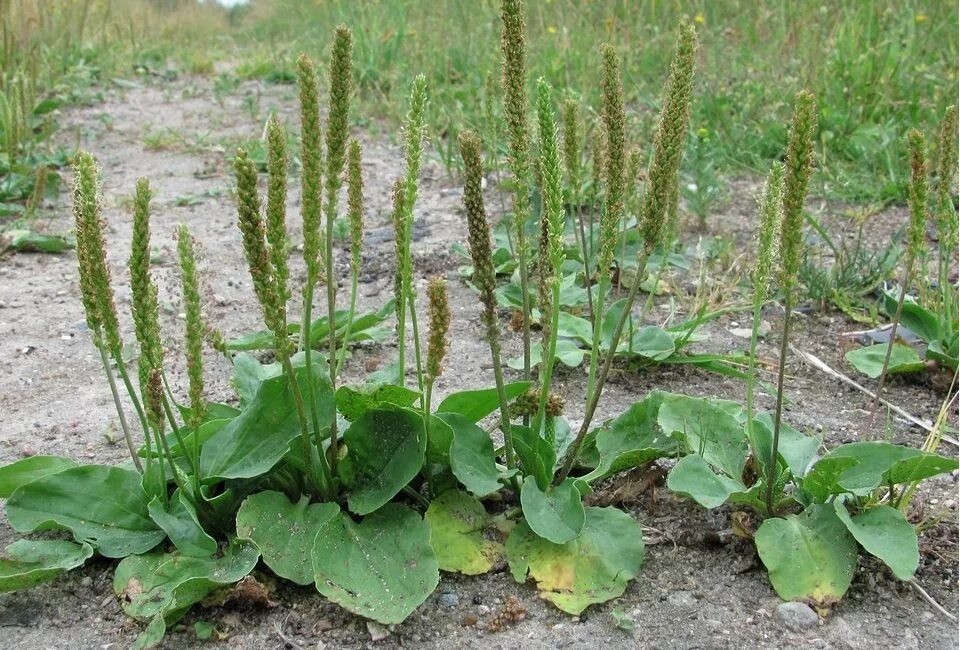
[{"x": 878, "y": 67}]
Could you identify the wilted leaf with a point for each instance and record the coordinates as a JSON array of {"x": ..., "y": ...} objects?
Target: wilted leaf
[{"x": 457, "y": 523}]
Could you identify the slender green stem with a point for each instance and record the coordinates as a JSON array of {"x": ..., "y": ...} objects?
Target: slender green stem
[
  {"x": 585, "y": 253},
  {"x": 415, "y": 331},
  {"x": 653, "y": 290},
  {"x": 125, "y": 378},
  {"x": 525, "y": 299},
  {"x": 123, "y": 418},
  {"x": 752, "y": 370},
  {"x": 893, "y": 339},
  {"x": 327, "y": 476},
  {"x": 594, "y": 397},
  {"x": 602, "y": 288},
  {"x": 349, "y": 326},
  {"x": 305, "y": 335},
  {"x": 194, "y": 462},
  {"x": 778, "y": 413},
  {"x": 546, "y": 374},
  {"x": 428, "y": 393}
]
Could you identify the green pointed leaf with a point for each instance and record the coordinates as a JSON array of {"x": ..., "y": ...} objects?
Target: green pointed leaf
[
  {"x": 478, "y": 404},
  {"x": 30, "y": 469},
  {"x": 574, "y": 327},
  {"x": 650, "y": 342},
  {"x": 708, "y": 429},
  {"x": 179, "y": 521},
  {"x": 593, "y": 568},
  {"x": 472, "y": 457},
  {"x": 869, "y": 360},
  {"x": 253, "y": 442},
  {"x": 457, "y": 524},
  {"x": 879, "y": 463},
  {"x": 797, "y": 449},
  {"x": 693, "y": 477},
  {"x": 537, "y": 455},
  {"x": 284, "y": 531},
  {"x": 922, "y": 322},
  {"x": 884, "y": 533},
  {"x": 248, "y": 374},
  {"x": 381, "y": 568},
  {"x": 385, "y": 451},
  {"x": 354, "y": 402},
  {"x": 556, "y": 515},
  {"x": 810, "y": 556},
  {"x": 35, "y": 561},
  {"x": 101, "y": 505},
  {"x": 160, "y": 587},
  {"x": 632, "y": 439}
]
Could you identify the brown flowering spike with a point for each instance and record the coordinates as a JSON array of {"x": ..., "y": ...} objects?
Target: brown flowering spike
[
  {"x": 194, "y": 324},
  {"x": 144, "y": 304},
  {"x": 439, "y": 322},
  {"x": 770, "y": 207},
  {"x": 355, "y": 204},
  {"x": 478, "y": 230},
  {"x": 277, "y": 204},
  {"x": 670, "y": 138},
  {"x": 399, "y": 236},
  {"x": 95, "y": 284},
  {"x": 311, "y": 158},
  {"x": 154, "y": 398},
  {"x": 796, "y": 176},
  {"x": 615, "y": 126},
  {"x": 255, "y": 245},
  {"x": 917, "y": 193}
]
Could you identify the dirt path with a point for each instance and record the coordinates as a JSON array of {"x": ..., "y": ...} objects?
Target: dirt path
[{"x": 690, "y": 594}]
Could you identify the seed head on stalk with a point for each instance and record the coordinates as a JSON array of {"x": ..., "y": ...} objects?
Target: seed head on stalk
[
  {"x": 513, "y": 46},
  {"x": 552, "y": 215},
  {"x": 341, "y": 87},
  {"x": 770, "y": 207},
  {"x": 154, "y": 399},
  {"x": 439, "y": 323},
  {"x": 478, "y": 230},
  {"x": 98, "y": 301},
  {"x": 615, "y": 127},
  {"x": 355, "y": 204},
  {"x": 917, "y": 193},
  {"x": 797, "y": 169},
  {"x": 194, "y": 323},
  {"x": 668, "y": 143},
  {"x": 143, "y": 291},
  {"x": 277, "y": 205},
  {"x": 399, "y": 239},
  {"x": 256, "y": 249},
  {"x": 311, "y": 157},
  {"x": 572, "y": 144},
  {"x": 946, "y": 214}
]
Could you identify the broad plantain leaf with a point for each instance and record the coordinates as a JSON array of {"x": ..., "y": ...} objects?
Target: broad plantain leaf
[
  {"x": 457, "y": 523},
  {"x": 869, "y": 360},
  {"x": 284, "y": 531},
  {"x": 381, "y": 568},
  {"x": 478, "y": 404},
  {"x": 884, "y": 533},
  {"x": 472, "y": 457},
  {"x": 810, "y": 556},
  {"x": 593, "y": 568},
  {"x": 709, "y": 430},
  {"x": 160, "y": 587},
  {"x": 556, "y": 515},
  {"x": 632, "y": 439},
  {"x": 30, "y": 469},
  {"x": 35, "y": 561},
  {"x": 179, "y": 521},
  {"x": 253, "y": 442},
  {"x": 103, "y": 506},
  {"x": 385, "y": 451},
  {"x": 354, "y": 402},
  {"x": 695, "y": 478}
]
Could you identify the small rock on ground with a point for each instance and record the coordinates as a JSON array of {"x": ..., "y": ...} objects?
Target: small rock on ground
[{"x": 797, "y": 616}]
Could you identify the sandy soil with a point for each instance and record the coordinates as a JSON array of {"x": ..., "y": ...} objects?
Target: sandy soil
[{"x": 691, "y": 593}]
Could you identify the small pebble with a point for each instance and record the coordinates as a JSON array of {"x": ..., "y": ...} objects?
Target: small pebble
[{"x": 797, "y": 616}]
